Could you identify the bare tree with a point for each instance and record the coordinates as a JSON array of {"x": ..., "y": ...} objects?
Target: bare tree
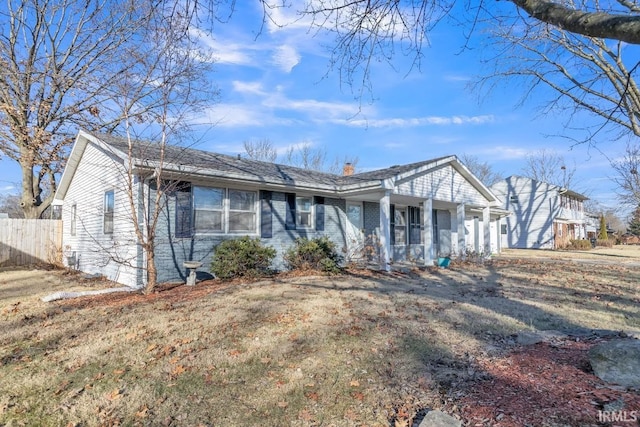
[
  {"x": 563, "y": 45},
  {"x": 301, "y": 155},
  {"x": 58, "y": 60},
  {"x": 260, "y": 150},
  {"x": 482, "y": 170},
  {"x": 549, "y": 167},
  {"x": 10, "y": 204},
  {"x": 165, "y": 86},
  {"x": 627, "y": 176},
  {"x": 586, "y": 74}
]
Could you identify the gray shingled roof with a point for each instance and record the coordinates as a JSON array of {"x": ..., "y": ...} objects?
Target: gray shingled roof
[{"x": 252, "y": 169}]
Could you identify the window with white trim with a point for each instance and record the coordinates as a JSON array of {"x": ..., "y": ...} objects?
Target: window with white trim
[
  {"x": 109, "y": 207},
  {"x": 400, "y": 226},
  {"x": 242, "y": 211},
  {"x": 208, "y": 205},
  {"x": 221, "y": 210},
  {"x": 304, "y": 212},
  {"x": 73, "y": 220}
]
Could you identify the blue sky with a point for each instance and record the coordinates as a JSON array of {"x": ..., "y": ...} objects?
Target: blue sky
[{"x": 274, "y": 85}]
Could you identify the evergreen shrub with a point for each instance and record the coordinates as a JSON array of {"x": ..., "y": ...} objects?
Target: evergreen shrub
[{"x": 243, "y": 257}]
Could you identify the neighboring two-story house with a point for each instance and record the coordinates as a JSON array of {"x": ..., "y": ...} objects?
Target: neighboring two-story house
[{"x": 543, "y": 216}]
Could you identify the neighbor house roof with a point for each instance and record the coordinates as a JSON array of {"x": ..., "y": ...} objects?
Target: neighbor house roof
[{"x": 195, "y": 162}]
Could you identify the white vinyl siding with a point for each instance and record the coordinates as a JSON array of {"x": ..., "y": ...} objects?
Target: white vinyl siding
[
  {"x": 99, "y": 172},
  {"x": 442, "y": 184}
]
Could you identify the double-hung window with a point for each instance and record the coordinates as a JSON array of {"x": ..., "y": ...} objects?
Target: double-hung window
[
  {"x": 304, "y": 216},
  {"x": 209, "y": 209},
  {"x": 109, "y": 207},
  {"x": 242, "y": 211},
  {"x": 221, "y": 210}
]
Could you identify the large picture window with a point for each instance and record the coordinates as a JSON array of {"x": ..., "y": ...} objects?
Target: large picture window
[
  {"x": 221, "y": 210},
  {"x": 109, "y": 207}
]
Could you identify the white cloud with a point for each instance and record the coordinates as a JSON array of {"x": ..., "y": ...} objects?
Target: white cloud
[
  {"x": 286, "y": 57},
  {"x": 316, "y": 110},
  {"x": 456, "y": 78},
  {"x": 421, "y": 121},
  {"x": 505, "y": 152},
  {"x": 248, "y": 87},
  {"x": 224, "y": 51},
  {"x": 239, "y": 115}
]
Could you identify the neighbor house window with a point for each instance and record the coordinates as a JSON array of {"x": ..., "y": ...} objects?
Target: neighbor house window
[
  {"x": 242, "y": 211},
  {"x": 209, "y": 209},
  {"x": 109, "y": 206},
  {"x": 303, "y": 212},
  {"x": 514, "y": 199},
  {"x": 73, "y": 220}
]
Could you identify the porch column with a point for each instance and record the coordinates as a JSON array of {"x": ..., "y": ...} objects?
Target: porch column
[
  {"x": 454, "y": 233},
  {"x": 486, "y": 224},
  {"x": 427, "y": 230},
  {"x": 385, "y": 231},
  {"x": 499, "y": 235},
  {"x": 462, "y": 246}
]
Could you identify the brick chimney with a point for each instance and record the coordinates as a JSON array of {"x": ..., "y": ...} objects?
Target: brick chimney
[{"x": 348, "y": 169}]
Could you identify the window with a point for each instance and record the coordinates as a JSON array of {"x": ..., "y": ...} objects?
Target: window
[
  {"x": 218, "y": 210},
  {"x": 400, "y": 227},
  {"x": 354, "y": 214},
  {"x": 242, "y": 211},
  {"x": 209, "y": 209},
  {"x": 73, "y": 220},
  {"x": 415, "y": 226},
  {"x": 503, "y": 228},
  {"x": 514, "y": 200},
  {"x": 303, "y": 212},
  {"x": 184, "y": 218},
  {"x": 109, "y": 206}
]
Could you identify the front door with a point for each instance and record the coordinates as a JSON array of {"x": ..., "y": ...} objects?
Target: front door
[{"x": 354, "y": 234}]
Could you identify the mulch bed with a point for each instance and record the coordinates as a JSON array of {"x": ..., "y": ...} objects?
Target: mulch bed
[{"x": 547, "y": 384}]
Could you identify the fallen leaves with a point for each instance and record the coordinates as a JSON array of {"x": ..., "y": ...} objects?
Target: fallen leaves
[{"x": 115, "y": 394}]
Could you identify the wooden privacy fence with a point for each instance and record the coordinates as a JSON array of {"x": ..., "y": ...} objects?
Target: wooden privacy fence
[{"x": 30, "y": 241}]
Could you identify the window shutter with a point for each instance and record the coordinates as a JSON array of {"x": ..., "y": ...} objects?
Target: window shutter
[
  {"x": 266, "y": 227},
  {"x": 319, "y": 202},
  {"x": 392, "y": 225},
  {"x": 290, "y": 218},
  {"x": 184, "y": 214}
]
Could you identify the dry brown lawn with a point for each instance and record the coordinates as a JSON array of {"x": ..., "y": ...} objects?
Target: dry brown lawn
[{"x": 365, "y": 348}]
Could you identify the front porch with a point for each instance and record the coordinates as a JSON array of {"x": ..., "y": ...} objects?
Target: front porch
[{"x": 397, "y": 229}]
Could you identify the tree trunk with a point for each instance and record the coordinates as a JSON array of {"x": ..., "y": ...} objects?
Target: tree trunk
[
  {"x": 29, "y": 202},
  {"x": 152, "y": 272}
]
